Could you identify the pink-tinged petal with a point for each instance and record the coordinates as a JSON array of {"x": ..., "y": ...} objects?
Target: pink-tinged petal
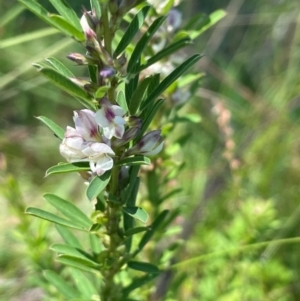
[
  {"x": 102, "y": 148},
  {"x": 119, "y": 131},
  {"x": 71, "y": 132},
  {"x": 101, "y": 118},
  {"x": 86, "y": 125},
  {"x": 117, "y": 110}
]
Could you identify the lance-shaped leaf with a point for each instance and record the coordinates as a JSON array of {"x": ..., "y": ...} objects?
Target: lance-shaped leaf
[
  {"x": 132, "y": 29},
  {"x": 56, "y": 21},
  {"x": 56, "y": 129},
  {"x": 171, "y": 78},
  {"x": 135, "y": 230},
  {"x": 67, "y": 85},
  {"x": 121, "y": 101},
  {"x": 60, "y": 67},
  {"x": 138, "y": 95},
  {"x": 143, "y": 266},
  {"x": 67, "y": 12},
  {"x": 68, "y": 167},
  {"x": 84, "y": 285},
  {"x": 68, "y": 237},
  {"x": 155, "y": 225},
  {"x": 212, "y": 19},
  {"x": 53, "y": 218},
  {"x": 101, "y": 92},
  {"x": 137, "y": 213},
  {"x": 149, "y": 117},
  {"x": 78, "y": 262},
  {"x": 166, "y": 52},
  {"x": 69, "y": 210},
  {"x": 66, "y": 27},
  {"x": 97, "y": 185},
  {"x": 60, "y": 284},
  {"x": 142, "y": 43},
  {"x": 69, "y": 250},
  {"x": 138, "y": 282},
  {"x": 136, "y": 160}
]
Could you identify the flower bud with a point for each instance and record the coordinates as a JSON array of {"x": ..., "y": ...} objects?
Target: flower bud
[
  {"x": 107, "y": 72},
  {"x": 150, "y": 144},
  {"x": 128, "y": 136},
  {"x": 78, "y": 58},
  {"x": 135, "y": 121},
  {"x": 174, "y": 20}
]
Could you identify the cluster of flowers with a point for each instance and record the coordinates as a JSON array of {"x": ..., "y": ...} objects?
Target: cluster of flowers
[{"x": 96, "y": 134}]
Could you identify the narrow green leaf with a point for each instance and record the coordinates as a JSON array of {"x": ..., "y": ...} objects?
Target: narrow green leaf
[
  {"x": 166, "y": 52},
  {"x": 53, "y": 218},
  {"x": 172, "y": 77},
  {"x": 68, "y": 237},
  {"x": 30, "y": 36},
  {"x": 138, "y": 282},
  {"x": 148, "y": 235},
  {"x": 66, "y": 27},
  {"x": 84, "y": 285},
  {"x": 60, "y": 284},
  {"x": 131, "y": 189},
  {"x": 37, "y": 9},
  {"x": 97, "y": 185},
  {"x": 143, "y": 266},
  {"x": 93, "y": 70},
  {"x": 68, "y": 167},
  {"x": 188, "y": 79},
  {"x": 68, "y": 209},
  {"x": 96, "y": 6},
  {"x": 130, "y": 87},
  {"x": 148, "y": 119},
  {"x": 11, "y": 14},
  {"x": 78, "y": 261},
  {"x": 132, "y": 29},
  {"x": 56, "y": 129},
  {"x": 136, "y": 160},
  {"x": 67, "y": 85},
  {"x": 60, "y": 67},
  {"x": 121, "y": 101},
  {"x": 213, "y": 18},
  {"x": 101, "y": 92},
  {"x": 137, "y": 213},
  {"x": 54, "y": 20},
  {"x": 142, "y": 43},
  {"x": 71, "y": 251},
  {"x": 67, "y": 12},
  {"x": 95, "y": 243},
  {"x": 138, "y": 95},
  {"x": 135, "y": 230}
]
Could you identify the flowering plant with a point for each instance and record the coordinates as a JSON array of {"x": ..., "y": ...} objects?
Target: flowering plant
[{"x": 123, "y": 123}]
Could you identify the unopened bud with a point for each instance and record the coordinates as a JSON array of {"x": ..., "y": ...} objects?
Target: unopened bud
[
  {"x": 128, "y": 136},
  {"x": 135, "y": 121},
  {"x": 174, "y": 19},
  {"x": 107, "y": 72},
  {"x": 78, "y": 58},
  {"x": 150, "y": 144},
  {"x": 120, "y": 61}
]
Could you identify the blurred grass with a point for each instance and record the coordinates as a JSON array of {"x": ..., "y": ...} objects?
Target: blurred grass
[{"x": 241, "y": 181}]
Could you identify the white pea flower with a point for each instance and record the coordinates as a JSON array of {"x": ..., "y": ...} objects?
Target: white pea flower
[
  {"x": 98, "y": 155},
  {"x": 110, "y": 118},
  {"x": 85, "y": 144}
]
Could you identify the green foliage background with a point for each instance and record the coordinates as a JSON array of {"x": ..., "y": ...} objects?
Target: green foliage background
[{"x": 252, "y": 64}]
